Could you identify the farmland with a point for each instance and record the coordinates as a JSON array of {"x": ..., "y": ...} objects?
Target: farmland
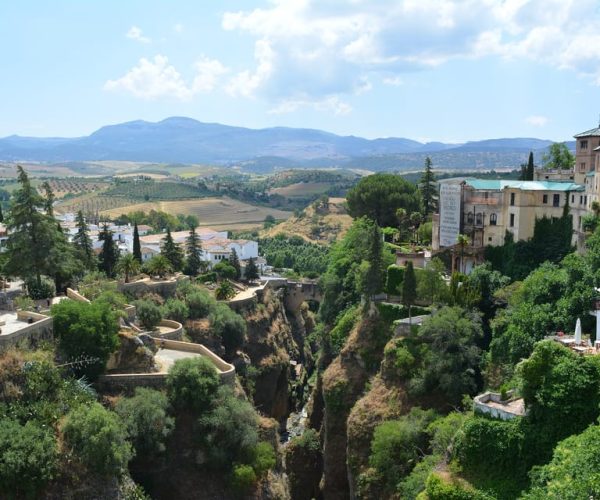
[
  {"x": 75, "y": 187},
  {"x": 225, "y": 213},
  {"x": 150, "y": 190},
  {"x": 302, "y": 189}
]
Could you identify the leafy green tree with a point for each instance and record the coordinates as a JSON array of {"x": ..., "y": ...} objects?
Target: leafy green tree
[
  {"x": 128, "y": 265},
  {"x": 200, "y": 303},
  {"x": 409, "y": 288},
  {"x": 137, "y": 248},
  {"x": 192, "y": 384},
  {"x": 98, "y": 438},
  {"x": 432, "y": 285},
  {"x": 558, "y": 157},
  {"x": 109, "y": 255},
  {"x": 33, "y": 234},
  {"x": 243, "y": 479},
  {"x": 450, "y": 357},
  {"x": 379, "y": 196},
  {"x": 229, "y": 430},
  {"x": 43, "y": 291},
  {"x": 427, "y": 187},
  {"x": 146, "y": 419},
  {"x": 87, "y": 333},
  {"x": 83, "y": 243},
  {"x": 225, "y": 270},
  {"x": 228, "y": 325},
  {"x": 158, "y": 265},
  {"x": 172, "y": 252},
  {"x": 194, "y": 252},
  {"x": 251, "y": 271},
  {"x": 235, "y": 263},
  {"x": 148, "y": 313},
  {"x": 28, "y": 458},
  {"x": 573, "y": 471}
]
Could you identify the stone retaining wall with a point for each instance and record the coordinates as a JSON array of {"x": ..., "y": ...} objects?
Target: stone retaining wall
[
  {"x": 176, "y": 332},
  {"x": 30, "y": 335}
]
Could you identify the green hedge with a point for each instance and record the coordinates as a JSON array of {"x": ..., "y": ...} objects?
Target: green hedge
[{"x": 395, "y": 277}]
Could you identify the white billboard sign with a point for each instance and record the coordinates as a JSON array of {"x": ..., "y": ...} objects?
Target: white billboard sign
[{"x": 450, "y": 195}]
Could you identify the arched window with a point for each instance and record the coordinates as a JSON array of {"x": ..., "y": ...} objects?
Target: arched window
[
  {"x": 479, "y": 219},
  {"x": 493, "y": 219},
  {"x": 469, "y": 218}
]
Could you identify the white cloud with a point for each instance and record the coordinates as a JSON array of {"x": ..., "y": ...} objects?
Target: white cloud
[
  {"x": 178, "y": 28},
  {"x": 247, "y": 82},
  {"x": 136, "y": 34},
  {"x": 328, "y": 47},
  {"x": 394, "y": 81},
  {"x": 537, "y": 120},
  {"x": 331, "y": 103},
  {"x": 152, "y": 79}
]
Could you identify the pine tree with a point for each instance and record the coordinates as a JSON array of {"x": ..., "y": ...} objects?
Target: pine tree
[
  {"x": 530, "y": 167},
  {"x": 137, "y": 249},
  {"x": 49, "y": 201},
  {"x": 235, "y": 263},
  {"x": 409, "y": 288},
  {"x": 427, "y": 187},
  {"x": 32, "y": 233},
  {"x": 83, "y": 242},
  {"x": 109, "y": 255},
  {"x": 193, "y": 248},
  {"x": 251, "y": 272},
  {"x": 172, "y": 252}
]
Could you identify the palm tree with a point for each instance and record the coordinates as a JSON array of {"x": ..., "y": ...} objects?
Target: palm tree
[
  {"x": 128, "y": 265},
  {"x": 158, "y": 265},
  {"x": 463, "y": 241}
]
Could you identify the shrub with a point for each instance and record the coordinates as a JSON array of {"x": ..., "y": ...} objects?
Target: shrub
[
  {"x": 97, "y": 437},
  {"x": 339, "y": 333},
  {"x": 28, "y": 458},
  {"x": 86, "y": 331},
  {"x": 148, "y": 314},
  {"x": 43, "y": 290},
  {"x": 146, "y": 420},
  {"x": 229, "y": 431},
  {"x": 264, "y": 458},
  {"x": 395, "y": 277},
  {"x": 192, "y": 384},
  {"x": 229, "y": 326},
  {"x": 438, "y": 489},
  {"x": 200, "y": 304},
  {"x": 176, "y": 310},
  {"x": 243, "y": 479},
  {"x": 210, "y": 277}
]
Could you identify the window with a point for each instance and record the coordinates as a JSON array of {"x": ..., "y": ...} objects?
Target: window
[
  {"x": 479, "y": 219},
  {"x": 493, "y": 219},
  {"x": 545, "y": 198},
  {"x": 582, "y": 166},
  {"x": 489, "y": 238},
  {"x": 585, "y": 200},
  {"x": 512, "y": 220},
  {"x": 556, "y": 200},
  {"x": 581, "y": 200},
  {"x": 512, "y": 198},
  {"x": 469, "y": 218},
  {"x": 572, "y": 198},
  {"x": 583, "y": 144}
]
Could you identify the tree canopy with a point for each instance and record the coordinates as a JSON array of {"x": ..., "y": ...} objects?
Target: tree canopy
[{"x": 378, "y": 196}]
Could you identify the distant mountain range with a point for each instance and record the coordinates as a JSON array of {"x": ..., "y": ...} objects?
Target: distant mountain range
[{"x": 184, "y": 140}]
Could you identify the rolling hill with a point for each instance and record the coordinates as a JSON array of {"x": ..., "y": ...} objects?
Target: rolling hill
[{"x": 184, "y": 140}]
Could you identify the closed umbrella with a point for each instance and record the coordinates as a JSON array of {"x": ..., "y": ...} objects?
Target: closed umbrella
[{"x": 578, "y": 331}]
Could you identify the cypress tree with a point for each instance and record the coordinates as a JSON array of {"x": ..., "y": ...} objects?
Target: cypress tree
[
  {"x": 427, "y": 187},
  {"x": 172, "y": 252},
  {"x": 530, "y": 167},
  {"x": 1, "y": 214},
  {"x": 49, "y": 200},
  {"x": 251, "y": 272},
  {"x": 409, "y": 288},
  {"x": 82, "y": 241},
  {"x": 137, "y": 249},
  {"x": 109, "y": 254},
  {"x": 193, "y": 248},
  {"x": 235, "y": 263}
]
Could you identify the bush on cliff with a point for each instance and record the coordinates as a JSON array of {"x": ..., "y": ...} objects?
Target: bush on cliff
[{"x": 192, "y": 384}]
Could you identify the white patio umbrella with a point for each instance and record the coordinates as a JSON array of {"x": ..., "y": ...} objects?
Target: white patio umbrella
[{"x": 578, "y": 331}]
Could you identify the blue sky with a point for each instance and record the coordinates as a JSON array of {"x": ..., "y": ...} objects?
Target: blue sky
[{"x": 423, "y": 69}]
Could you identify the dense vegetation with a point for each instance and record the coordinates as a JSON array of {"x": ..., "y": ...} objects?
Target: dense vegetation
[
  {"x": 306, "y": 259},
  {"x": 152, "y": 190}
]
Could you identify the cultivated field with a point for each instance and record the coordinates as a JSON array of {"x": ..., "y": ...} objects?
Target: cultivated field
[
  {"x": 302, "y": 189},
  {"x": 62, "y": 187},
  {"x": 225, "y": 213}
]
